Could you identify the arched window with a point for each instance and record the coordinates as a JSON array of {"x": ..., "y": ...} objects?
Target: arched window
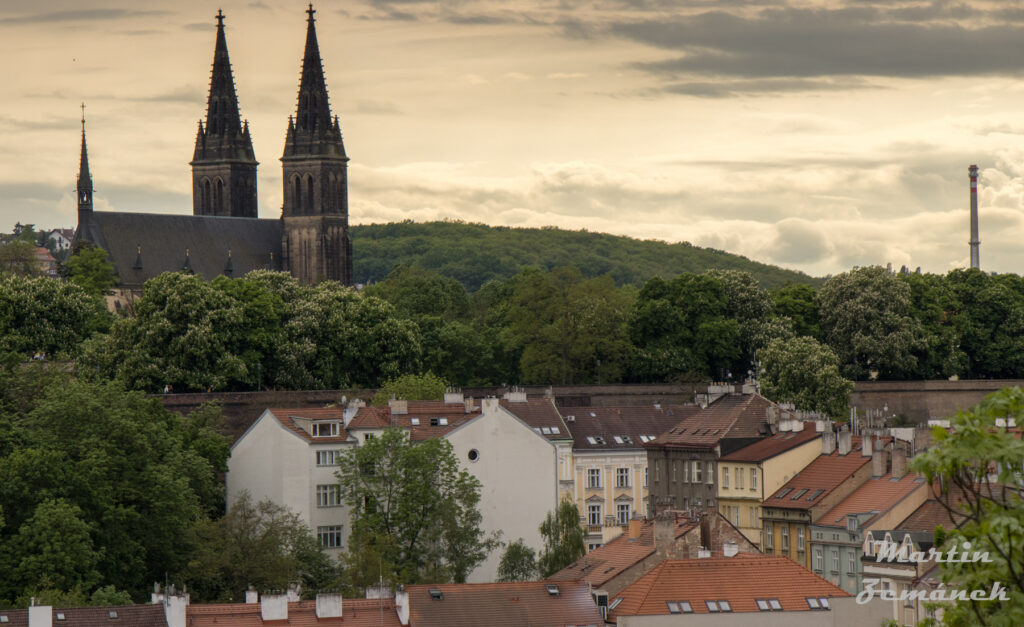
[
  {"x": 298, "y": 194},
  {"x": 205, "y": 208},
  {"x": 309, "y": 192},
  {"x": 218, "y": 198}
]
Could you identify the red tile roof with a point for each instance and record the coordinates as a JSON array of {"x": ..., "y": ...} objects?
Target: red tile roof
[
  {"x": 625, "y": 423},
  {"x": 740, "y": 580},
  {"x": 731, "y": 416},
  {"x": 819, "y": 478},
  {"x": 775, "y": 445},
  {"x": 287, "y": 418},
  {"x": 503, "y": 605},
  {"x": 422, "y": 411},
  {"x": 354, "y": 613},
  {"x": 875, "y": 495},
  {"x": 127, "y": 616}
]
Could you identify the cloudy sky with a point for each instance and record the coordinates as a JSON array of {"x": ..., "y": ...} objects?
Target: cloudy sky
[{"x": 813, "y": 134}]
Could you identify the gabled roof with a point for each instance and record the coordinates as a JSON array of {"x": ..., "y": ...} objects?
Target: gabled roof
[
  {"x": 740, "y": 580},
  {"x": 541, "y": 415},
  {"x": 819, "y": 478},
  {"x": 514, "y": 604},
  {"x": 876, "y": 495},
  {"x": 425, "y": 413},
  {"x": 772, "y": 446},
  {"x": 621, "y": 427},
  {"x": 354, "y": 613},
  {"x": 126, "y": 616},
  {"x": 932, "y": 513},
  {"x": 731, "y": 416},
  {"x": 287, "y": 417}
]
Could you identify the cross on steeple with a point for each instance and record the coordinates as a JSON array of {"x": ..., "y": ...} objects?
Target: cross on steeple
[
  {"x": 83, "y": 117},
  {"x": 220, "y": 18},
  {"x": 310, "y": 11}
]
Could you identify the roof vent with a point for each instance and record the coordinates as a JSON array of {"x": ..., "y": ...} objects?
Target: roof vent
[
  {"x": 552, "y": 589},
  {"x": 112, "y": 614},
  {"x": 570, "y": 418},
  {"x": 436, "y": 594}
]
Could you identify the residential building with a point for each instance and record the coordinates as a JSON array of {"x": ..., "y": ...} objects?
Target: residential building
[
  {"x": 61, "y": 238},
  {"x": 329, "y": 609},
  {"x": 740, "y": 589},
  {"x": 881, "y": 502},
  {"x": 533, "y": 603},
  {"x": 45, "y": 262},
  {"x": 787, "y": 514},
  {"x": 609, "y": 476},
  {"x": 746, "y": 475},
  {"x": 114, "y": 616},
  {"x": 683, "y": 461}
]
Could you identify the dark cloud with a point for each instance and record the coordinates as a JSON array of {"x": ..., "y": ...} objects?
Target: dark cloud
[
  {"x": 82, "y": 15},
  {"x": 762, "y": 86}
]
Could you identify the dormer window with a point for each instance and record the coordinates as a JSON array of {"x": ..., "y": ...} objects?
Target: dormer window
[
  {"x": 325, "y": 429},
  {"x": 851, "y": 524}
]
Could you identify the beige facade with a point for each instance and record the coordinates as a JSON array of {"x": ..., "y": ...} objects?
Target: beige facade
[{"x": 609, "y": 488}]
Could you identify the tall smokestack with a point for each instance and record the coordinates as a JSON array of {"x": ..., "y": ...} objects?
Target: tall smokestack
[{"x": 975, "y": 242}]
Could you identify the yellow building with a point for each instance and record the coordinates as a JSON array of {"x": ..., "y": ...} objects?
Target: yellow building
[{"x": 747, "y": 475}]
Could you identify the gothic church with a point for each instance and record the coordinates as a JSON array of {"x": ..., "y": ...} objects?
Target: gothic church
[{"x": 224, "y": 236}]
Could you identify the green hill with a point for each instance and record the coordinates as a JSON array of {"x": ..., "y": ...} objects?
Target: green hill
[{"x": 477, "y": 253}]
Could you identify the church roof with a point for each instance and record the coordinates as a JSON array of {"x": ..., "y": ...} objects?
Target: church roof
[{"x": 144, "y": 245}]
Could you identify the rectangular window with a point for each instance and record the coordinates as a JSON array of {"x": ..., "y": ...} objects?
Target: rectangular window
[
  {"x": 674, "y": 471},
  {"x": 851, "y": 562},
  {"x": 785, "y": 538},
  {"x": 817, "y": 560},
  {"x": 696, "y": 472},
  {"x": 835, "y": 560},
  {"x": 725, "y": 476},
  {"x": 753, "y": 478},
  {"x": 711, "y": 473},
  {"x": 328, "y": 495},
  {"x": 327, "y": 458},
  {"x": 329, "y": 537},
  {"x": 622, "y": 477},
  {"x": 593, "y": 477},
  {"x": 736, "y": 515},
  {"x": 753, "y": 517},
  {"x": 769, "y": 540},
  {"x": 594, "y": 515},
  {"x": 800, "y": 539},
  {"x": 739, "y": 478},
  {"x": 686, "y": 472},
  {"x": 623, "y": 513},
  {"x": 325, "y": 429},
  {"x": 645, "y": 476}
]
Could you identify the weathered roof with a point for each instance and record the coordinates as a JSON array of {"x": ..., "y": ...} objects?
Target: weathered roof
[
  {"x": 354, "y": 613},
  {"x": 731, "y": 416},
  {"x": 542, "y": 416},
  {"x": 617, "y": 428},
  {"x": 819, "y": 478},
  {"x": 772, "y": 446},
  {"x": 932, "y": 513},
  {"x": 513, "y": 604},
  {"x": 740, "y": 580},
  {"x": 423, "y": 420},
  {"x": 876, "y": 495},
  {"x": 144, "y": 245},
  {"x": 287, "y": 417},
  {"x": 125, "y": 616}
]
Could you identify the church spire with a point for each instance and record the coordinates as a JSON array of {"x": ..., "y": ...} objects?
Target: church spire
[
  {"x": 315, "y": 132},
  {"x": 84, "y": 178}
]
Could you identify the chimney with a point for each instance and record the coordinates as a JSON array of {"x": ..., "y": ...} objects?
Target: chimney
[
  {"x": 636, "y": 526},
  {"x": 516, "y": 395},
  {"x": 975, "y": 243},
  {"x": 705, "y": 531},
  {"x": 819, "y": 425},
  {"x": 845, "y": 442},
  {"x": 176, "y": 610},
  {"x": 40, "y": 616},
  {"x": 879, "y": 463},
  {"x": 452, "y": 396},
  {"x": 665, "y": 533},
  {"x": 798, "y": 426},
  {"x": 274, "y": 606},
  {"x": 469, "y": 405},
  {"x": 828, "y": 443},
  {"x": 402, "y": 604},
  {"x": 866, "y": 448},
  {"x": 899, "y": 462},
  {"x": 294, "y": 592},
  {"x": 251, "y": 596},
  {"x": 730, "y": 549},
  {"x": 398, "y": 406},
  {"x": 328, "y": 605},
  {"x": 489, "y": 404},
  {"x": 703, "y": 554},
  {"x": 785, "y": 426}
]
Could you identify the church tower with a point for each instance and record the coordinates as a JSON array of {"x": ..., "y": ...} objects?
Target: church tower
[
  {"x": 223, "y": 164},
  {"x": 316, "y": 244},
  {"x": 84, "y": 179}
]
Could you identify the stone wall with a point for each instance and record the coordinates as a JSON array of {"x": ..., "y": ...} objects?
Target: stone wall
[{"x": 923, "y": 400}]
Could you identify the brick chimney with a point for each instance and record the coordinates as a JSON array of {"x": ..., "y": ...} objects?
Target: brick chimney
[
  {"x": 398, "y": 406},
  {"x": 899, "y": 462},
  {"x": 453, "y": 396},
  {"x": 636, "y": 527},
  {"x": 879, "y": 463},
  {"x": 665, "y": 534},
  {"x": 845, "y": 442},
  {"x": 828, "y": 442}
]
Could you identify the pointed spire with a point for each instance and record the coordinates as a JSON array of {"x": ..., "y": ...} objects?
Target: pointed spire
[
  {"x": 314, "y": 133},
  {"x": 229, "y": 268},
  {"x": 222, "y": 137},
  {"x": 84, "y": 177},
  {"x": 138, "y": 259}
]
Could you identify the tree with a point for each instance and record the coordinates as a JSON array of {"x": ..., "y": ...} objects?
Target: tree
[
  {"x": 796, "y": 301},
  {"x": 563, "y": 539},
  {"x": 414, "y": 512},
  {"x": 803, "y": 372},
  {"x": 19, "y": 257},
  {"x": 261, "y": 544},
  {"x": 415, "y": 291},
  {"x": 978, "y": 463},
  {"x": 89, "y": 268},
  {"x": 413, "y": 387},
  {"x": 518, "y": 563}
]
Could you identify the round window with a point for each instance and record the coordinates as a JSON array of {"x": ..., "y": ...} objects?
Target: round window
[{"x": 474, "y": 455}]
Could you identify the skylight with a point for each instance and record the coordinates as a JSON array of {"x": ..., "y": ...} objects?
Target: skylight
[
  {"x": 600, "y": 440},
  {"x": 783, "y": 493},
  {"x": 545, "y": 430},
  {"x": 815, "y": 494},
  {"x": 618, "y": 439},
  {"x": 415, "y": 422},
  {"x": 799, "y": 493},
  {"x": 555, "y": 430},
  {"x": 774, "y": 603},
  {"x": 591, "y": 439},
  {"x": 444, "y": 422},
  {"x": 627, "y": 439}
]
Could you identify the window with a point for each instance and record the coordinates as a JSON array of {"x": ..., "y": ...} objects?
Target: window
[
  {"x": 725, "y": 476},
  {"x": 762, "y": 604},
  {"x": 783, "y": 493},
  {"x": 327, "y": 458},
  {"x": 785, "y": 537},
  {"x": 724, "y": 606},
  {"x": 329, "y": 537},
  {"x": 622, "y": 477},
  {"x": 718, "y": 606},
  {"x": 674, "y": 475},
  {"x": 328, "y": 495},
  {"x": 814, "y": 495},
  {"x": 592, "y": 546},
  {"x": 817, "y": 559},
  {"x": 799, "y": 493},
  {"x": 835, "y": 560},
  {"x": 645, "y": 476},
  {"x": 769, "y": 541},
  {"x": 679, "y": 607},
  {"x": 414, "y": 422},
  {"x": 851, "y": 562},
  {"x": 367, "y": 437},
  {"x": 817, "y": 603},
  {"x": 325, "y": 429},
  {"x": 774, "y": 604},
  {"x": 711, "y": 473},
  {"x": 753, "y": 478},
  {"x": 593, "y": 477},
  {"x": 696, "y": 472},
  {"x": 800, "y": 539},
  {"x": 686, "y": 472},
  {"x": 712, "y": 606},
  {"x": 623, "y": 513},
  {"x": 736, "y": 515},
  {"x": 753, "y": 516},
  {"x": 739, "y": 478},
  {"x": 594, "y": 515},
  {"x": 438, "y": 422},
  {"x": 851, "y": 524}
]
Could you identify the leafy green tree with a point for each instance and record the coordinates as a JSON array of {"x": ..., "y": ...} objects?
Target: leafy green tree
[
  {"x": 414, "y": 510},
  {"x": 866, "y": 319},
  {"x": 42, "y": 315},
  {"x": 988, "y": 315},
  {"x": 563, "y": 539},
  {"x": 19, "y": 257},
  {"x": 89, "y": 268},
  {"x": 803, "y": 372},
  {"x": 518, "y": 562},
  {"x": 978, "y": 458},
  {"x": 53, "y": 549},
  {"x": 415, "y": 291},
  {"x": 796, "y": 301},
  {"x": 261, "y": 544},
  {"x": 412, "y": 387},
  {"x": 938, "y": 308}
]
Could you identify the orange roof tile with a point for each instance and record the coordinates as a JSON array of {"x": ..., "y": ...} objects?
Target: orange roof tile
[
  {"x": 513, "y": 604},
  {"x": 772, "y": 446},
  {"x": 731, "y": 416},
  {"x": 819, "y": 478},
  {"x": 354, "y": 613},
  {"x": 286, "y": 416},
  {"x": 740, "y": 580},
  {"x": 877, "y": 495},
  {"x": 419, "y": 421}
]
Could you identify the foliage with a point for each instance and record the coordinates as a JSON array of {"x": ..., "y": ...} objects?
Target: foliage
[
  {"x": 89, "y": 268},
  {"x": 518, "y": 562},
  {"x": 415, "y": 291},
  {"x": 806, "y": 373},
  {"x": 563, "y": 539},
  {"x": 43, "y": 315},
  {"x": 796, "y": 301},
  {"x": 19, "y": 257},
  {"x": 982, "y": 461},
  {"x": 261, "y": 544},
  {"x": 414, "y": 512},
  {"x": 412, "y": 387}
]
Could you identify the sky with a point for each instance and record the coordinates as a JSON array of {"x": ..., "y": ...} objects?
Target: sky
[{"x": 815, "y": 135}]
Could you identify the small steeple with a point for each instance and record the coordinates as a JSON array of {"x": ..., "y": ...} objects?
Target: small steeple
[{"x": 84, "y": 178}]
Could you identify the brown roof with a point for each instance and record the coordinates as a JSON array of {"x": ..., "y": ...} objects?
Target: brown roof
[
  {"x": 608, "y": 561},
  {"x": 421, "y": 412},
  {"x": 539, "y": 413},
  {"x": 621, "y": 427},
  {"x": 740, "y": 580},
  {"x": 932, "y": 513},
  {"x": 731, "y": 416},
  {"x": 503, "y": 605},
  {"x": 287, "y": 418},
  {"x": 775, "y": 445},
  {"x": 876, "y": 495},
  {"x": 819, "y": 478},
  {"x": 127, "y": 616},
  {"x": 354, "y": 613}
]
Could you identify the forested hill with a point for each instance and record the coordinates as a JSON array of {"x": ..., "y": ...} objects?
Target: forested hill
[{"x": 477, "y": 253}]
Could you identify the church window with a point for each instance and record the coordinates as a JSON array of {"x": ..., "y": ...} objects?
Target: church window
[
  {"x": 298, "y": 194},
  {"x": 206, "y": 196},
  {"x": 218, "y": 198},
  {"x": 309, "y": 192}
]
